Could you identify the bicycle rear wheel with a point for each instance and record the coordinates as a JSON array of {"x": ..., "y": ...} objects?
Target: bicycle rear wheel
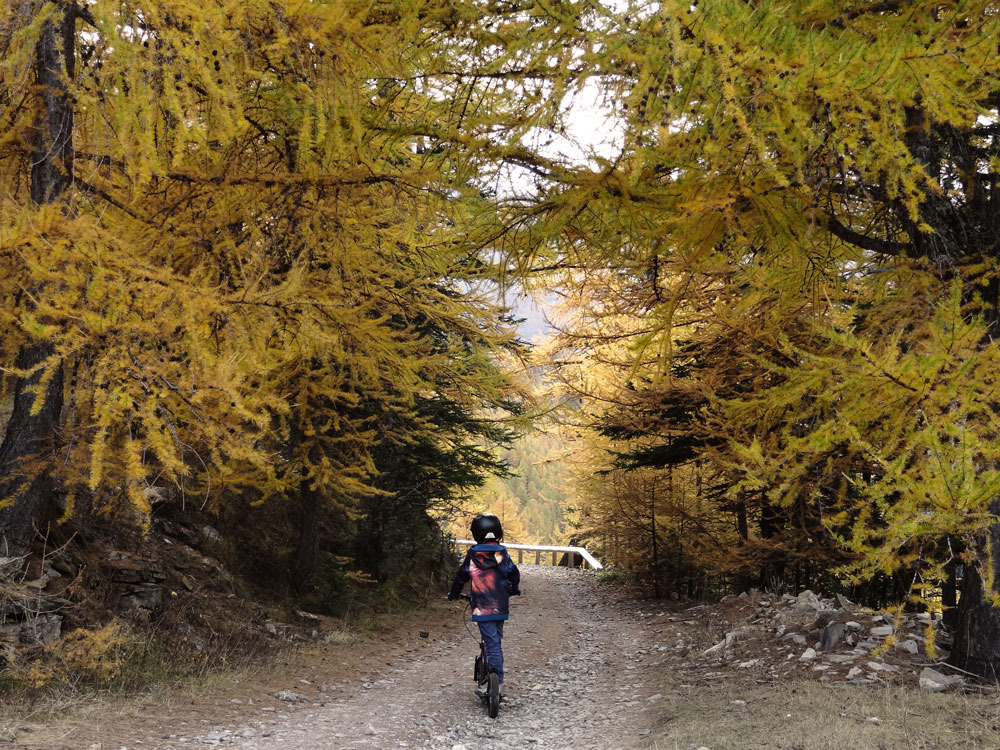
[{"x": 493, "y": 696}]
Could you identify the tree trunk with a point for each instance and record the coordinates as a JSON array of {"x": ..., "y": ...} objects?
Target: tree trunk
[
  {"x": 311, "y": 507},
  {"x": 26, "y": 455},
  {"x": 52, "y": 136},
  {"x": 977, "y": 634},
  {"x": 652, "y": 533},
  {"x": 307, "y": 549},
  {"x": 772, "y": 566},
  {"x": 977, "y": 631},
  {"x": 949, "y": 597},
  {"x": 742, "y": 524},
  {"x": 26, "y": 460}
]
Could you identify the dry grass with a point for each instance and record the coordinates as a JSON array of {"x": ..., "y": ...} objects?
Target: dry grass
[
  {"x": 817, "y": 716},
  {"x": 77, "y": 717},
  {"x": 340, "y": 636}
]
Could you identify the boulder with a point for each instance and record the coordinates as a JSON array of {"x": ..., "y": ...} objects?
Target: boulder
[
  {"x": 211, "y": 534},
  {"x": 180, "y": 531},
  {"x": 43, "y": 629},
  {"x": 806, "y": 601},
  {"x": 933, "y": 681},
  {"x": 136, "y": 570},
  {"x": 725, "y": 644},
  {"x": 832, "y": 635},
  {"x": 846, "y": 604},
  {"x": 143, "y": 596}
]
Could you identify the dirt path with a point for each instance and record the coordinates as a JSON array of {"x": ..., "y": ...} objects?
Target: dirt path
[
  {"x": 576, "y": 679},
  {"x": 586, "y": 667}
]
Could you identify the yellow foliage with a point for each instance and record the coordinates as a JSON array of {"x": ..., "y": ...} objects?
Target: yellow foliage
[
  {"x": 261, "y": 231},
  {"x": 782, "y": 272},
  {"x": 91, "y": 655}
]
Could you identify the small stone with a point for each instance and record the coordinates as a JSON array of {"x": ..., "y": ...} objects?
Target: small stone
[
  {"x": 832, "y": 635},
  {"x": 935, "y": 682},
  {"x": 841, "y": 658},
  {"x": 877, "y": 666},
  {"x": 844, "y": 603},
  {"x": 807, "y": 600},
  {"x": 909, "y": 646},
  {"x": 808, "y": 655}
]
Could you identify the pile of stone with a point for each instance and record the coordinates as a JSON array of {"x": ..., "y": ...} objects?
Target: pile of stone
[{"x": 837, "y": 641}]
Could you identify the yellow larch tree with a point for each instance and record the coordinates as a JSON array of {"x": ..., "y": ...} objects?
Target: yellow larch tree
[
  {"x": 262, "y": 235},
  {"x": 817, "y": 183}
]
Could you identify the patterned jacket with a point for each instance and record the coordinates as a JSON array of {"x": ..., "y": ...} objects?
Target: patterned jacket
[{"x": 494, "y": 578}]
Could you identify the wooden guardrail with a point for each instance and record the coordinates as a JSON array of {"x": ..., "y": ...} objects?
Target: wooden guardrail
[{"x": 586, "y": 558}]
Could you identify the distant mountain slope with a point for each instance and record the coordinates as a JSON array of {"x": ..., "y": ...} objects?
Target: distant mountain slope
[{"x": 532, "y": 502}]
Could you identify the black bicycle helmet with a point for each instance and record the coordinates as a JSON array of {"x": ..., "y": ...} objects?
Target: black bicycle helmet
[{"x": 486, "y": 528}]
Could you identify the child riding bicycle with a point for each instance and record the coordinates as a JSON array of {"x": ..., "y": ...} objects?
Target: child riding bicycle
[{"x": 494, "y": 578}]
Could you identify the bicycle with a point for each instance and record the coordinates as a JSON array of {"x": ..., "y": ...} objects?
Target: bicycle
[{"x": 484, "y": 674}]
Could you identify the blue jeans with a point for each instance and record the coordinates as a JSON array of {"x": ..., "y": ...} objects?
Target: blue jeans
[{"x": 492, "y": 633}]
